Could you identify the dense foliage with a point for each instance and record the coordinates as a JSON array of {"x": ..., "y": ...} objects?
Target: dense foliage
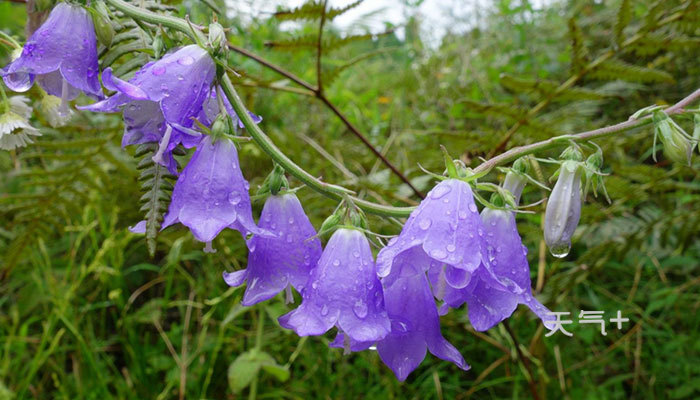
[{"x": 85, "y": 312}]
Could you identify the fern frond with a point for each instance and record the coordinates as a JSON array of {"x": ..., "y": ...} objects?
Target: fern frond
[
  {"x": 546, "y": 88},
  {"x": 331, "y": 74},
  {"x": 579, "y": 52},
  {"x": 157, "y": 189},
  {"x": 616, "y": 69},
  {"x": 624, "y": 15},
  {"x": 307, "y": 11}
]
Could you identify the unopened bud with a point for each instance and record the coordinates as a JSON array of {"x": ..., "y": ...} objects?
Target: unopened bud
[
  {"x": 217, "y": 37},
  {"x": 677, "y": 146},
  {"x": 563, "y": 209},
  {"x": 572, "y": 153},
  {"x": 103, "y": 27}
]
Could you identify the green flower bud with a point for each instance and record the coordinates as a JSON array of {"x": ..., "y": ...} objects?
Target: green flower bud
[
  {"x": 220, "y": 126},
  {"x": 330, "y": 224},
  {"x": 677, "y": 146},
  {"x": 158, "y": 45},
  {"x": 571, "y": 153},
  {"x": 103, "y": 27},
  {"x": 217, "y": 37},
  {"x": 521, "y": 165},
  {"x": 696, "y": 130}
]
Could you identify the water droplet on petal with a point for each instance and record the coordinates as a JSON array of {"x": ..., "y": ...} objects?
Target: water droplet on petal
[
  {"x": 472, "y": 208},
  {"x": 324, "y": 310},
  {"x": 425, "y": 223},
  {"x": 157, "y": 71},
  {"x": 451, "y": 248},
  {"x": 186, "y": 60},
  {"x": 439, "y": 191},
  {"x": 437, "y": 253},
  {"x": 234, "y": 198},
  {"x": 462, "y": 215},
  {"x": 360, "y": 309},
  {"x": 336, "y": 262}
]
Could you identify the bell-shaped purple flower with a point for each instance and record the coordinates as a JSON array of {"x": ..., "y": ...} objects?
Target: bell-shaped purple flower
[
  {"x": 501, "y": 283},
  {"x": 162, "y": 99},
  {"x": 343, "y": 290},
  {"x": 276, "y": 263},
  {"x": 211, "y": 193},
  {"x": 563, "y": 209},
  {"x": 61, "y": 55},
  {"x": 415, "y": 327},
  {"x": 445, "y": 231}
]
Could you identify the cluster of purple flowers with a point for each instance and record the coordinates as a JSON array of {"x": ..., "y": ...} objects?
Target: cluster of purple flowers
[{"x": 447, "y": 254}]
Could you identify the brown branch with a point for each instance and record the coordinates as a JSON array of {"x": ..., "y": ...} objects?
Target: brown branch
[
  {"x": 322, "y": 97},
  {"x": 319, "y": 49}
]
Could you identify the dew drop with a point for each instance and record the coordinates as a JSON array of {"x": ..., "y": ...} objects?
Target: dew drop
[
  {"x": 324, "y": 310},
  {"x": 425, "y": 223},
  {"x": 462, "y": 215},
  {"x": 560, "y": 250},
  {"x": 234, "y": 198},
  {"x": 336, "y": 262},
  {"x": 157, "y": 71},
  {"x": 437, "y": 253},
  {"x": 186, "y": 60},
  {"x": 440, "y": 191},
  {"x": 360, "y": 309},
  {"x": 451, "y": 248},
  {"x": 472, "y": 208},
  {"x": 356, "y": 254}
]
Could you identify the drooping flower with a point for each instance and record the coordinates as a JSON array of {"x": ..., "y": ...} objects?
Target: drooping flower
[
  {"x": 343, "y": 291},
  {"x": 563, "y": 209},
  {"x": 61, "y": 55},
  {"x": 287, "y": 259},
  {"x": 15, "y": 130},
  {"x": 503, "y": 281},
  {"x": 161, "y": 100},
  {"x": 211, "y": 193},
  {"x": 444, "y": 232},
  {"x": 415, "y": 327}
]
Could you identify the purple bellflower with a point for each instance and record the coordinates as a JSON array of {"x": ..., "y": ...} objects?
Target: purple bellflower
[
  {"x": 211, "y": 193},
  {"x": 276, "y": 263},
  {"x": 444, "y": 233},
  {"x": 61, "y": 56},
  {"x": 415, "y": 327},
  {"x": 343, "y": 290},
  {"x": 161, "y": 100},
  {"x": 503, "y": 280}
]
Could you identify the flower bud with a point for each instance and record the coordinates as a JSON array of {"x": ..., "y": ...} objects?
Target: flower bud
[
  {"x": 677, "y": 146},
  {"x": 563, "y": 209},
  {"x": 515, "y": 183},
  {"x": 217, "y": 37},
  {"x": 220, "y": 126},
  {"x": 330, "y": 224},
  {"x": 103, "y": 27},
  {"x": 571, "y": 153}
]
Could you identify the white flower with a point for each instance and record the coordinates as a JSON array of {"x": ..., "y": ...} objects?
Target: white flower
[
  {"x": 15, "y": 130},
  {"x": 56, "y": 115}
]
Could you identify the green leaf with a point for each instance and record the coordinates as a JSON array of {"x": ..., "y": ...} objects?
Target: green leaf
[{"x": 246, "y": 366}]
